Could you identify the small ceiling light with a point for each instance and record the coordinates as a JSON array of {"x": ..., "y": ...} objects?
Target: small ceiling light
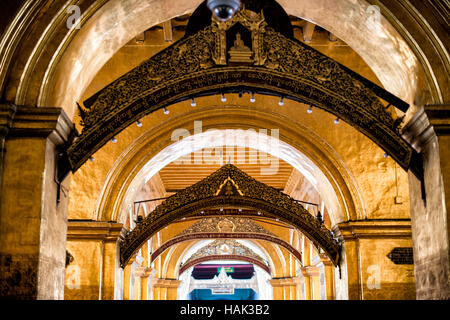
[
  {"x": 114, "y": 140},
  {"x": 202, "y": 212},
  {"x": 277, "y": 219},
  {"x": 139, "y": 124},
  {"x": 336, "y": 121},
  {"x": 240, "y": 210},
  {"x": 310, "y": 109},
  {"x": 224, "y": 99},
  {"x": 386, "y": 155},
  {"x": 252, "y": 98},
  {"x": 193, "y": 103},
  {"x": 221, "y": 209},
  {"x": 259, "y": 213},
  {"x": 166, "y": 111},
  {"x": 281, "y": 101},
  {"x": 91, "y": 159}
]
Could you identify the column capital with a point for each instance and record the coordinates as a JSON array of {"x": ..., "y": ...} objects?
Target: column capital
[
  {"x": 94, "y": 230},
  {"x": 25, "y": 121},
  {"x": 373, "y": 229},
  {"x": 7, "y": 112},
  {"x": 439, "y": 117},
  {"x": 166, "y": 283},
  {"x": 418, "y": 131},
  {"x": 428, "y": 122},
  {"x": 286, "y": 281},
  {"x": 144, "y": 272}
]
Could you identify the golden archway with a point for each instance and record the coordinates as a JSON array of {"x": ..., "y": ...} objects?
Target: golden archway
[
  {"x": 198, "y": 65},
  {"x": 230, "y": 187},
  {"x": 209, "y": 228}
]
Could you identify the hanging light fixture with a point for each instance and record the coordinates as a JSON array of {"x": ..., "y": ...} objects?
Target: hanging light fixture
[
  {"x": 224, "y": 99},
  {"x": 166, "y": 111},
  {"x": 336, "y": 121},
  {"x": 114, "y": 140},
  {"x": 310, "y": 109},
  {"x": 91, "y": 159},
  {"x": 252, "y": 98},
  {"x": 281, "y": 101},
  {"x": 139, "y": 123},
  {"x": 193, "y": 103}
]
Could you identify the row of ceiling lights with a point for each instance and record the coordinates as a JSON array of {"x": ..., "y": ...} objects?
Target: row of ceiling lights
[{"x": 224, "y": 99}]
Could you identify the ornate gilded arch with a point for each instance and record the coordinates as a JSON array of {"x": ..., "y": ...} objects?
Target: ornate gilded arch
[
  {"x": 201, "y": 64},
  {"x": 214, "y": 227},
  {"x": 232, "y": 188},
  {"x": 225, "y": 250}
]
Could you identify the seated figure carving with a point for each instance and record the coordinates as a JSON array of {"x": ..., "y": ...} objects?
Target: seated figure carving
[{"x": 240, "y": 53}]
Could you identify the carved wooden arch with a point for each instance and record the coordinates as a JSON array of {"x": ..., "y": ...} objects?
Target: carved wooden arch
[
  {"x": 230, "y": 187},
  {"x": 225, "y": 249},
  {"x": 281, "y": 66},
  {"x": 224, "y": 257},
  {"x": 243, "y": 236}
]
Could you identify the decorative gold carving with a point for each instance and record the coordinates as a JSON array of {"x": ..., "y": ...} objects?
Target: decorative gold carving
[
  {"x": 230, "y": 188},
  {"x": 244, "y": 228},
  {"x": 254, "y": 194},
  {"x": 226, "y": 225},
  {"x": 253, "y": 22},
  {"x": 226, "y": 247},
  {"x": 199, "y": 63},
  {"x": 240, "y": 53},
  {"x": 240, "y": 225}
]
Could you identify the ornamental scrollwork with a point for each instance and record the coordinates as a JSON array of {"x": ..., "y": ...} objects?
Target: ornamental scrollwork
[
  {"x": 212, "y": 191},
  {"x": 201, "y": 63}
]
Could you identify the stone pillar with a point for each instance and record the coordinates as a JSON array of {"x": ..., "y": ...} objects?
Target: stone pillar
[
  {"x": 293, "y": 289},
  {"x": 144, "y": 274},
  {"x": 277, "y": 286},
  {"x": 304, "y": 284},
  {"x": 311, "y": 273},
  {"x": 429, "y": 133},
  {"x": 326, "y": 269},
  {"x": 94, "y": 247},
  {"x": 371, "y": 274},
  {"x": 33, "y": 220},
  {"x": 127, "y": 274}
]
